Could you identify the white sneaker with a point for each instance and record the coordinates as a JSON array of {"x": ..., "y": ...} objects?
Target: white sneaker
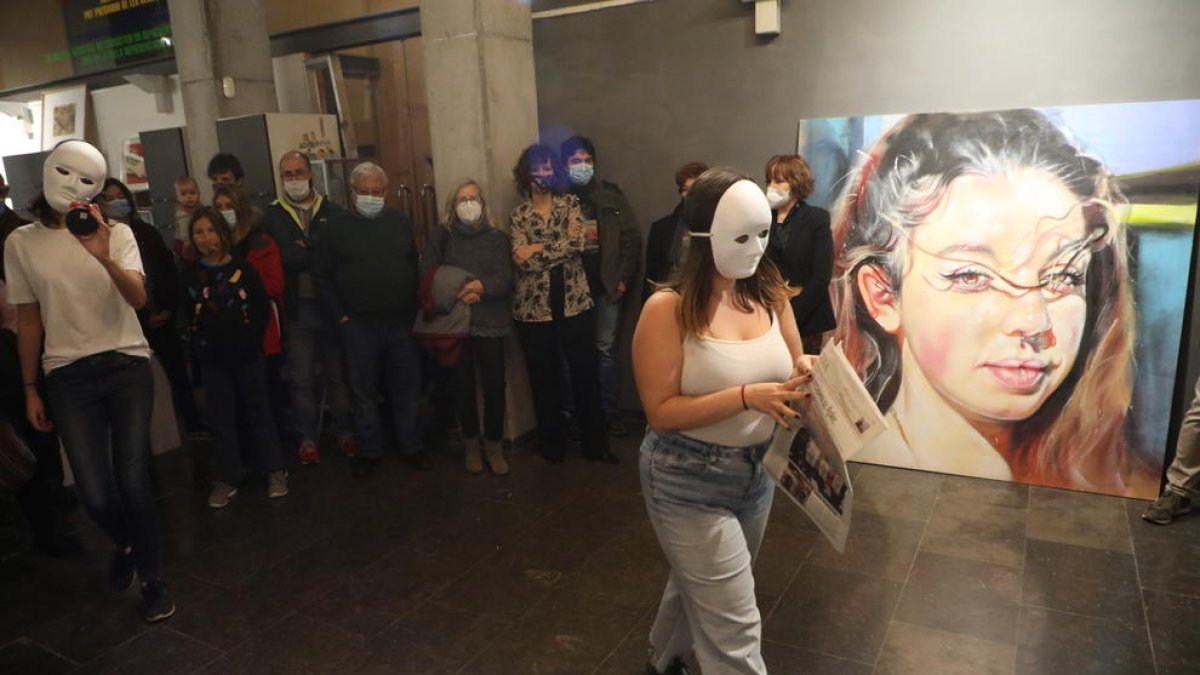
[
  {"x": 220, "y": 495},
  {"x": 277, "y": 484}
]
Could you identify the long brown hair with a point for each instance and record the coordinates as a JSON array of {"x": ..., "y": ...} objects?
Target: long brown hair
[
  {"x": 1077, "y": 438},
  {"x": 694, "y": 281},
  {"x": 241, "y": 206}
]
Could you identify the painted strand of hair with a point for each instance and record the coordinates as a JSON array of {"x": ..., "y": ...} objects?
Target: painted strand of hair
[{"x": 1010, "y": 285}]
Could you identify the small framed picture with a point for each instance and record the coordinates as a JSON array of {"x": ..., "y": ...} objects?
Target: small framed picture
[
  {"x": 64, "y": 113},
  {"x": 133, "y": 162}
]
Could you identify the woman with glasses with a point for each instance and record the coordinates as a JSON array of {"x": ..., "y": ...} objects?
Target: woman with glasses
[
  {"x": 982, "y": 284},
  {"x": 469, "y": 241}
]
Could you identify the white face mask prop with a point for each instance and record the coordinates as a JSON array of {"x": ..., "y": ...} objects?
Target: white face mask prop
[
  {"x": 740, "y": 227},
  {"x": 73, "y": 172}
]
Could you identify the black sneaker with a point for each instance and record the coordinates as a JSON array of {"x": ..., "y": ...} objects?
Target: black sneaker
[
  {"x": 1169, "y": 505},
  {"x": 158, "y": 605},
  {"x": 121, "y": 571},
  {"x": 675, "y": 667}
]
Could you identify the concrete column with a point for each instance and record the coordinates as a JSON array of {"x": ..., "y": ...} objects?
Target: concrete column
[
  {"x": 482, "y": 97},
  {"x": 215, "y": 40},
  {"x": 482, "y": 92}
]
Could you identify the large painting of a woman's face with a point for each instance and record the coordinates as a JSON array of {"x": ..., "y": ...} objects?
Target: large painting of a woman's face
[{"x": 991, "y": 306}]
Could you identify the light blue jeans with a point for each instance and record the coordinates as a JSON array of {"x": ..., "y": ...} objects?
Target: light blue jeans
[{"x": 709, "y": 506}]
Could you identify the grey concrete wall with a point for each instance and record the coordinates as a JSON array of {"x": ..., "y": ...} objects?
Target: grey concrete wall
[{"x": 663, "y": 82}]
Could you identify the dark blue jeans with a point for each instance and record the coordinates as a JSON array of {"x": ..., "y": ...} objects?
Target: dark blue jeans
[
  {"x": 383, "y": 347},
  {"x": 240, "y": 389},
  {"x": 100, "y": 406}
]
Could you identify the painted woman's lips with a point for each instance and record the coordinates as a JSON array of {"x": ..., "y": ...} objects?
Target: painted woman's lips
[{"x": 1021, "y": 375}]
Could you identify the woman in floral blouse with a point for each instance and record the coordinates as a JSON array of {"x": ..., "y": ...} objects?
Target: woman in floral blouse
[{"x": 553, "y": 307}]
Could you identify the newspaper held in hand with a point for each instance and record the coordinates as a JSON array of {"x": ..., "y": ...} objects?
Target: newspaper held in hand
[{"x": 809, "y": 461}]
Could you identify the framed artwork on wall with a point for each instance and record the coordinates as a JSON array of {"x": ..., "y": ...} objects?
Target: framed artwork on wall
[
  {"x": 64, "y": 115},
  {"x": 1011, "y": 285},
  {"x": 133, "y": 161}
]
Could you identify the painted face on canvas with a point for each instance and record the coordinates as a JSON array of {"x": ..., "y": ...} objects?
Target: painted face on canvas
[{"x": 992, "y": 304}]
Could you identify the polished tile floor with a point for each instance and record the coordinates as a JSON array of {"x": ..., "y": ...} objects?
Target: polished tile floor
[{"x": 554, "y": 569}]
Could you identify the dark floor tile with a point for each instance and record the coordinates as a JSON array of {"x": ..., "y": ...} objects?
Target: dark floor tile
[
  {"x": 370, "y": 601},
  {"x": 629, "y": 570},
  {"x": 99, "y": 627},
  {"x": 783, "y": 551},
  {"x": 781, "y": 658},
  {"x": 25, "y": 657},
  {"x": 917, "y": 650},
  {"x": 161, "y": 650},
  {"x": 962, "y": 596},
  {"x": 835, "y": 612},
  {"x": 961, "y": 489},
  {"x": 28, "y": 607},
  {"x": 616, "y": 666},
  {"x": 876, "y": 545},
  {"x": 502, "y": 585},
  {"x": 1185, "y": 527},
  {"x": 566, "y": 633},
  {"x": 297, "y": 645},
  {"x": 231, "y": 617},
  {"x": 234, "y": 562},
  {"x": 1057, "y": 642},
  {"x": 433, "y": 638},
  {"x": 635, "y": 646},
  {"x": 977, "y": 531},
  {"x": 1082, "y": 581},
  {"x": 1078, "y": 518},
  {"x": 1174, "y": 625},
  {"x": 1167, "y": 562},
  {"x": 895, "y": 493}
]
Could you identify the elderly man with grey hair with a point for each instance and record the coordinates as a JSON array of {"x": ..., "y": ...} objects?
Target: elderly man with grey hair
[{"x": 366, "y": 272}]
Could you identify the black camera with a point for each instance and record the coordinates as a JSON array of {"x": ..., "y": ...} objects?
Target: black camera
[{"x": 80, "y": 221}]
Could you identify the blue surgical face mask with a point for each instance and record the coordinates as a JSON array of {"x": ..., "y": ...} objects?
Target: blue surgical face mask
[
  {"x": 581, "y": 173},
  {"x": 118, "y": 208},
  {"x": 368, "y": 205}
]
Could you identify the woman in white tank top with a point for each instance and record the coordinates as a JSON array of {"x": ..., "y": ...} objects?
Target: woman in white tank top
[{"x": 717, "y": 357}]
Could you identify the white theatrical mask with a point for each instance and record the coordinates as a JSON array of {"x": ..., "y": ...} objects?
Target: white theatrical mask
[
  {"x": 740, "y": 229},
  {"x": 73, "y": 172}
]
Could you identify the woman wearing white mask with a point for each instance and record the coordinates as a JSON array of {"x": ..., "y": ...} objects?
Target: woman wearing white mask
[
  {"x": 468, "y": 241},
  {"x": 801, "y": 246},
  {"x": 716, "y": 357},
  {"x": 77, "y": 283}
]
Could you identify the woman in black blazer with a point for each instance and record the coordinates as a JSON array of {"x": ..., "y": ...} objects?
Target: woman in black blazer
[{"x": 801, "y": 246}]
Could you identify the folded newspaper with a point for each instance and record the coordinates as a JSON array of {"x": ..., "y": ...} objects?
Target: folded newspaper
[{"x": 809, "y": 460}]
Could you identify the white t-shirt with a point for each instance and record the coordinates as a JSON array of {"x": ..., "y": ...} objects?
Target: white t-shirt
[{"x": 82, "y": 311}]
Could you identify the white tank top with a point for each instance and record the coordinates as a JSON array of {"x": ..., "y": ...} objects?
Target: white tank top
[{"x": 711, "y": 365}]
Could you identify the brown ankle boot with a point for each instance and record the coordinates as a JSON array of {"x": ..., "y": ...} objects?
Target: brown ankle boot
[
  {"x": 474, "y": 454},
  {"x": 494, "y": 450}
]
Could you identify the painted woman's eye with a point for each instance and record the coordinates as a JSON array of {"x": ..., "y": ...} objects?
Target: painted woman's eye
[
  {"x": 968, "y": 280},
  {"x": 763, "y": 234},
  {"x": 87, "y": 181},
  {"x": 742, "y": 239},
  {"x": 1062, "y": 281},
  {"x": 61, "y": 171}
]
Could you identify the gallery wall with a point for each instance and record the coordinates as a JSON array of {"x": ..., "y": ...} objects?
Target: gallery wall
[{"x": 662, "y": 82}]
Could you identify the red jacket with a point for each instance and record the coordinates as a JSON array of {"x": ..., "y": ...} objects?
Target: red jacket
[{"x": 260, "y": 250}]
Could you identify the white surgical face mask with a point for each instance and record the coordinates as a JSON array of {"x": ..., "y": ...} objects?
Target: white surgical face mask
[
  {"x": 296, "y": 190},
  {"x": 368, "y": 205},
  {"x": 118, "y": 209},
  {"x": 73, "y": 172},
  {"x": 230, "y": 217},
  {"x": 581, "y": 173},
  {"x": 777, "y": 198},
  {"x": 469, "y": 212},
  {"x": 740, "y": 228}
]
